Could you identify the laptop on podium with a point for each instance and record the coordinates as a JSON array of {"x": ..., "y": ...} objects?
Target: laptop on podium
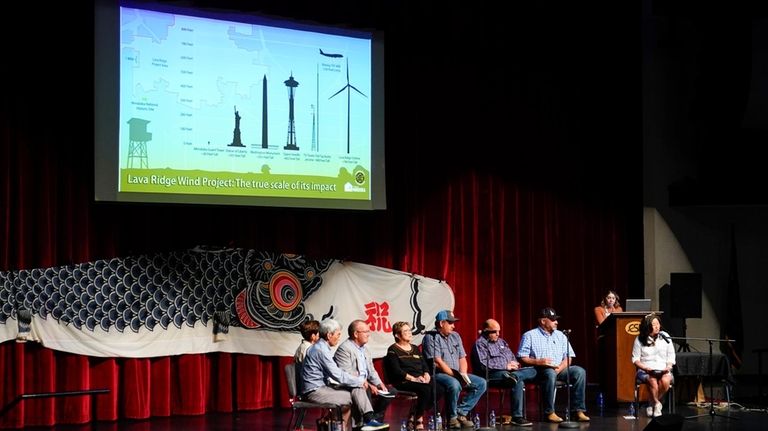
[{"x": 638, "y": 305}]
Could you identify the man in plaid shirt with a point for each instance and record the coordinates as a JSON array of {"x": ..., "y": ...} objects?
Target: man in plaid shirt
[
  {"x": 549, "y": 351},
  {"x": 492, "y": 357}
]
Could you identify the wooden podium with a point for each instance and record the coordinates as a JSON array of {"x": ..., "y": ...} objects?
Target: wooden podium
[{"x": 615, "y": 338}]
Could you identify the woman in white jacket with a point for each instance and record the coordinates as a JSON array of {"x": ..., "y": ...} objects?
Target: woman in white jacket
[{"x": 654, "y": 355}]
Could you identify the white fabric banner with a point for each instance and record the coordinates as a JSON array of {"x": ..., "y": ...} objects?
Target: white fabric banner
[{"x": 262, "y": 308}]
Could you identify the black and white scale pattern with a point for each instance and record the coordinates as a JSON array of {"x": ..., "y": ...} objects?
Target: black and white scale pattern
[{"x": 245, "y": 288}]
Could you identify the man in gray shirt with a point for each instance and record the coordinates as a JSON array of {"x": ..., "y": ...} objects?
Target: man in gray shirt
[
  {"x": 324, "y": 382},
  {"x": 355, "y": 358},
  {"x": 446, "y": 349}
]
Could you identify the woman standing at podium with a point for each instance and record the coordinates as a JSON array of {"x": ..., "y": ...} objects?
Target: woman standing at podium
[{"x": 609, "y": 304}]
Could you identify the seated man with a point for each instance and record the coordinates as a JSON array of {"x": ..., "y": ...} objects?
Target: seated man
[
  {"x": 324, "y": 382},
  {"x": 492, "y": 355},
  {"x": 354, "y": 357},
  {"x": 544, "y": 348},
  {"x": 446, "y": 349}
]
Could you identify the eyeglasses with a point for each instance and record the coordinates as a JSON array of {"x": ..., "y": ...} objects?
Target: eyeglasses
[{"x": 368, "y": 331}]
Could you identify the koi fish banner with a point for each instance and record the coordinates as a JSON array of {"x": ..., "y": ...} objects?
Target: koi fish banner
[{"x": 208, "y": 300}]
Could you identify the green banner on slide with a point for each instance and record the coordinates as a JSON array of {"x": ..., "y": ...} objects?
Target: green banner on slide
[{"x": 353, "y": 185}]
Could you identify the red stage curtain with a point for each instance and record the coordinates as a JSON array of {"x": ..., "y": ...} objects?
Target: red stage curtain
[
  {"x": 139, "y": 388},
  {"x": 506, "y": 247}
]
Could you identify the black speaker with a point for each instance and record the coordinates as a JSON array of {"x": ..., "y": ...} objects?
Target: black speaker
[
  {"x": 665, "y": 423},
  {"x": 685, "y": 294},
  {"x": 671, "y": 325}
]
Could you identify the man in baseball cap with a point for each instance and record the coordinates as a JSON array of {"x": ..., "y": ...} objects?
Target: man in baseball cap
[
  {"x": 445, "y": 315},
  {"x": 549, "y": 313},
  {"x": 549, "y": 351},
  {"x": 446, "y": 349}
]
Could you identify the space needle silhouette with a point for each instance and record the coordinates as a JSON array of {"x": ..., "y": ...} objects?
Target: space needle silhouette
[
  {"x": 291, "y": 84},
  {"x": 348, "y": 87}
]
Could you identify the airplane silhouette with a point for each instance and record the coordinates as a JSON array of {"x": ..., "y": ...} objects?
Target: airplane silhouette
[{"x": 330, "y": 55}]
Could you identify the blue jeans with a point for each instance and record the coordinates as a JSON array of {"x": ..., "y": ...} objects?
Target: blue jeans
[
  {"x": 522, "y": 375},
  {"x": 452, "y": 387},
  {"x": 546, "y": 377}
]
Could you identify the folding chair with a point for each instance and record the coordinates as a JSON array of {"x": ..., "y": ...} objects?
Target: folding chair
[{"x": 299, "y": 407}]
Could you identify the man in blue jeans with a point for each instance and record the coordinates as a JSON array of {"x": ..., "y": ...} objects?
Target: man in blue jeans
[
  {"x": 445, "y": 348},
  {"x": 549, "y": 351},
  {"x": 492, "y": 355}
]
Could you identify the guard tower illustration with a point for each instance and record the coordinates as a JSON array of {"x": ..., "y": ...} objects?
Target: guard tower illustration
[
  {"x": 236, "y": 142},
  {"x": 137, "y": 143},
  {"x": 291, "y": 84}
]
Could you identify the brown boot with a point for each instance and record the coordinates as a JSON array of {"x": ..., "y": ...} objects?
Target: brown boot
[
  {"x": 581, "y": 417},
  {"x": 554, "y": 418},
  {"x": 465, "y": 422}
]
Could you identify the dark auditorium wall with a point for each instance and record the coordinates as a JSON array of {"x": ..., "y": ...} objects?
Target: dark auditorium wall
[{"x": 704, "y": 135}]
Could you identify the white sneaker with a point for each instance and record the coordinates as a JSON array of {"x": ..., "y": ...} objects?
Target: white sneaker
[
  {"x": 657, "y": 410},
  {"x": 649, "y": 411}
]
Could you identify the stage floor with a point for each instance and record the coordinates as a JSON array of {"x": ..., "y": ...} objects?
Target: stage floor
[{"x": 268, "y": 420}]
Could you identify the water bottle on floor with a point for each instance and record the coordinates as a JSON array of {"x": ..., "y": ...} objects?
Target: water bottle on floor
[
  {"x": 431, "y": 423},
  {"x": 492, "y": 419},
  {"x": 404, "y": 425},
  {"x": 600, "y": 402},
  {"x": 632, "y": 409},
  {"x": 439, "y": 422},
  {"x": 476, "y": 421}
]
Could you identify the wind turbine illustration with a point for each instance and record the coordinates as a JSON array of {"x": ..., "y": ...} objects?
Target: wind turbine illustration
[{"x": 348, "y": 87}]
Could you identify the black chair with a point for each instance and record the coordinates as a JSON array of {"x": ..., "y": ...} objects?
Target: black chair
[
  {"x": 299, "y": 407},
  {"x": 502, "y": 387},
  {"x": 407, "y": 396},
  {"x": 499, "y": 387},
  {"x": 670, "y": 397},
  {"x": 559, "y": 384}
]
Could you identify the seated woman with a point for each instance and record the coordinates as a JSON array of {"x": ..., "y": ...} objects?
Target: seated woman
[
  {"x": 407, "y": 370},
  {"x": 654, "y": 355},
  {"x": 609, "y": 304}
]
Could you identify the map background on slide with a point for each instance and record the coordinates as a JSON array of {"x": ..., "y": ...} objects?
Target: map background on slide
[{"x": 186, "y": 76}]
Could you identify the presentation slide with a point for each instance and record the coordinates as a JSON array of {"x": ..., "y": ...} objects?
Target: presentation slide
[{"x": 220, "y": 107}]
